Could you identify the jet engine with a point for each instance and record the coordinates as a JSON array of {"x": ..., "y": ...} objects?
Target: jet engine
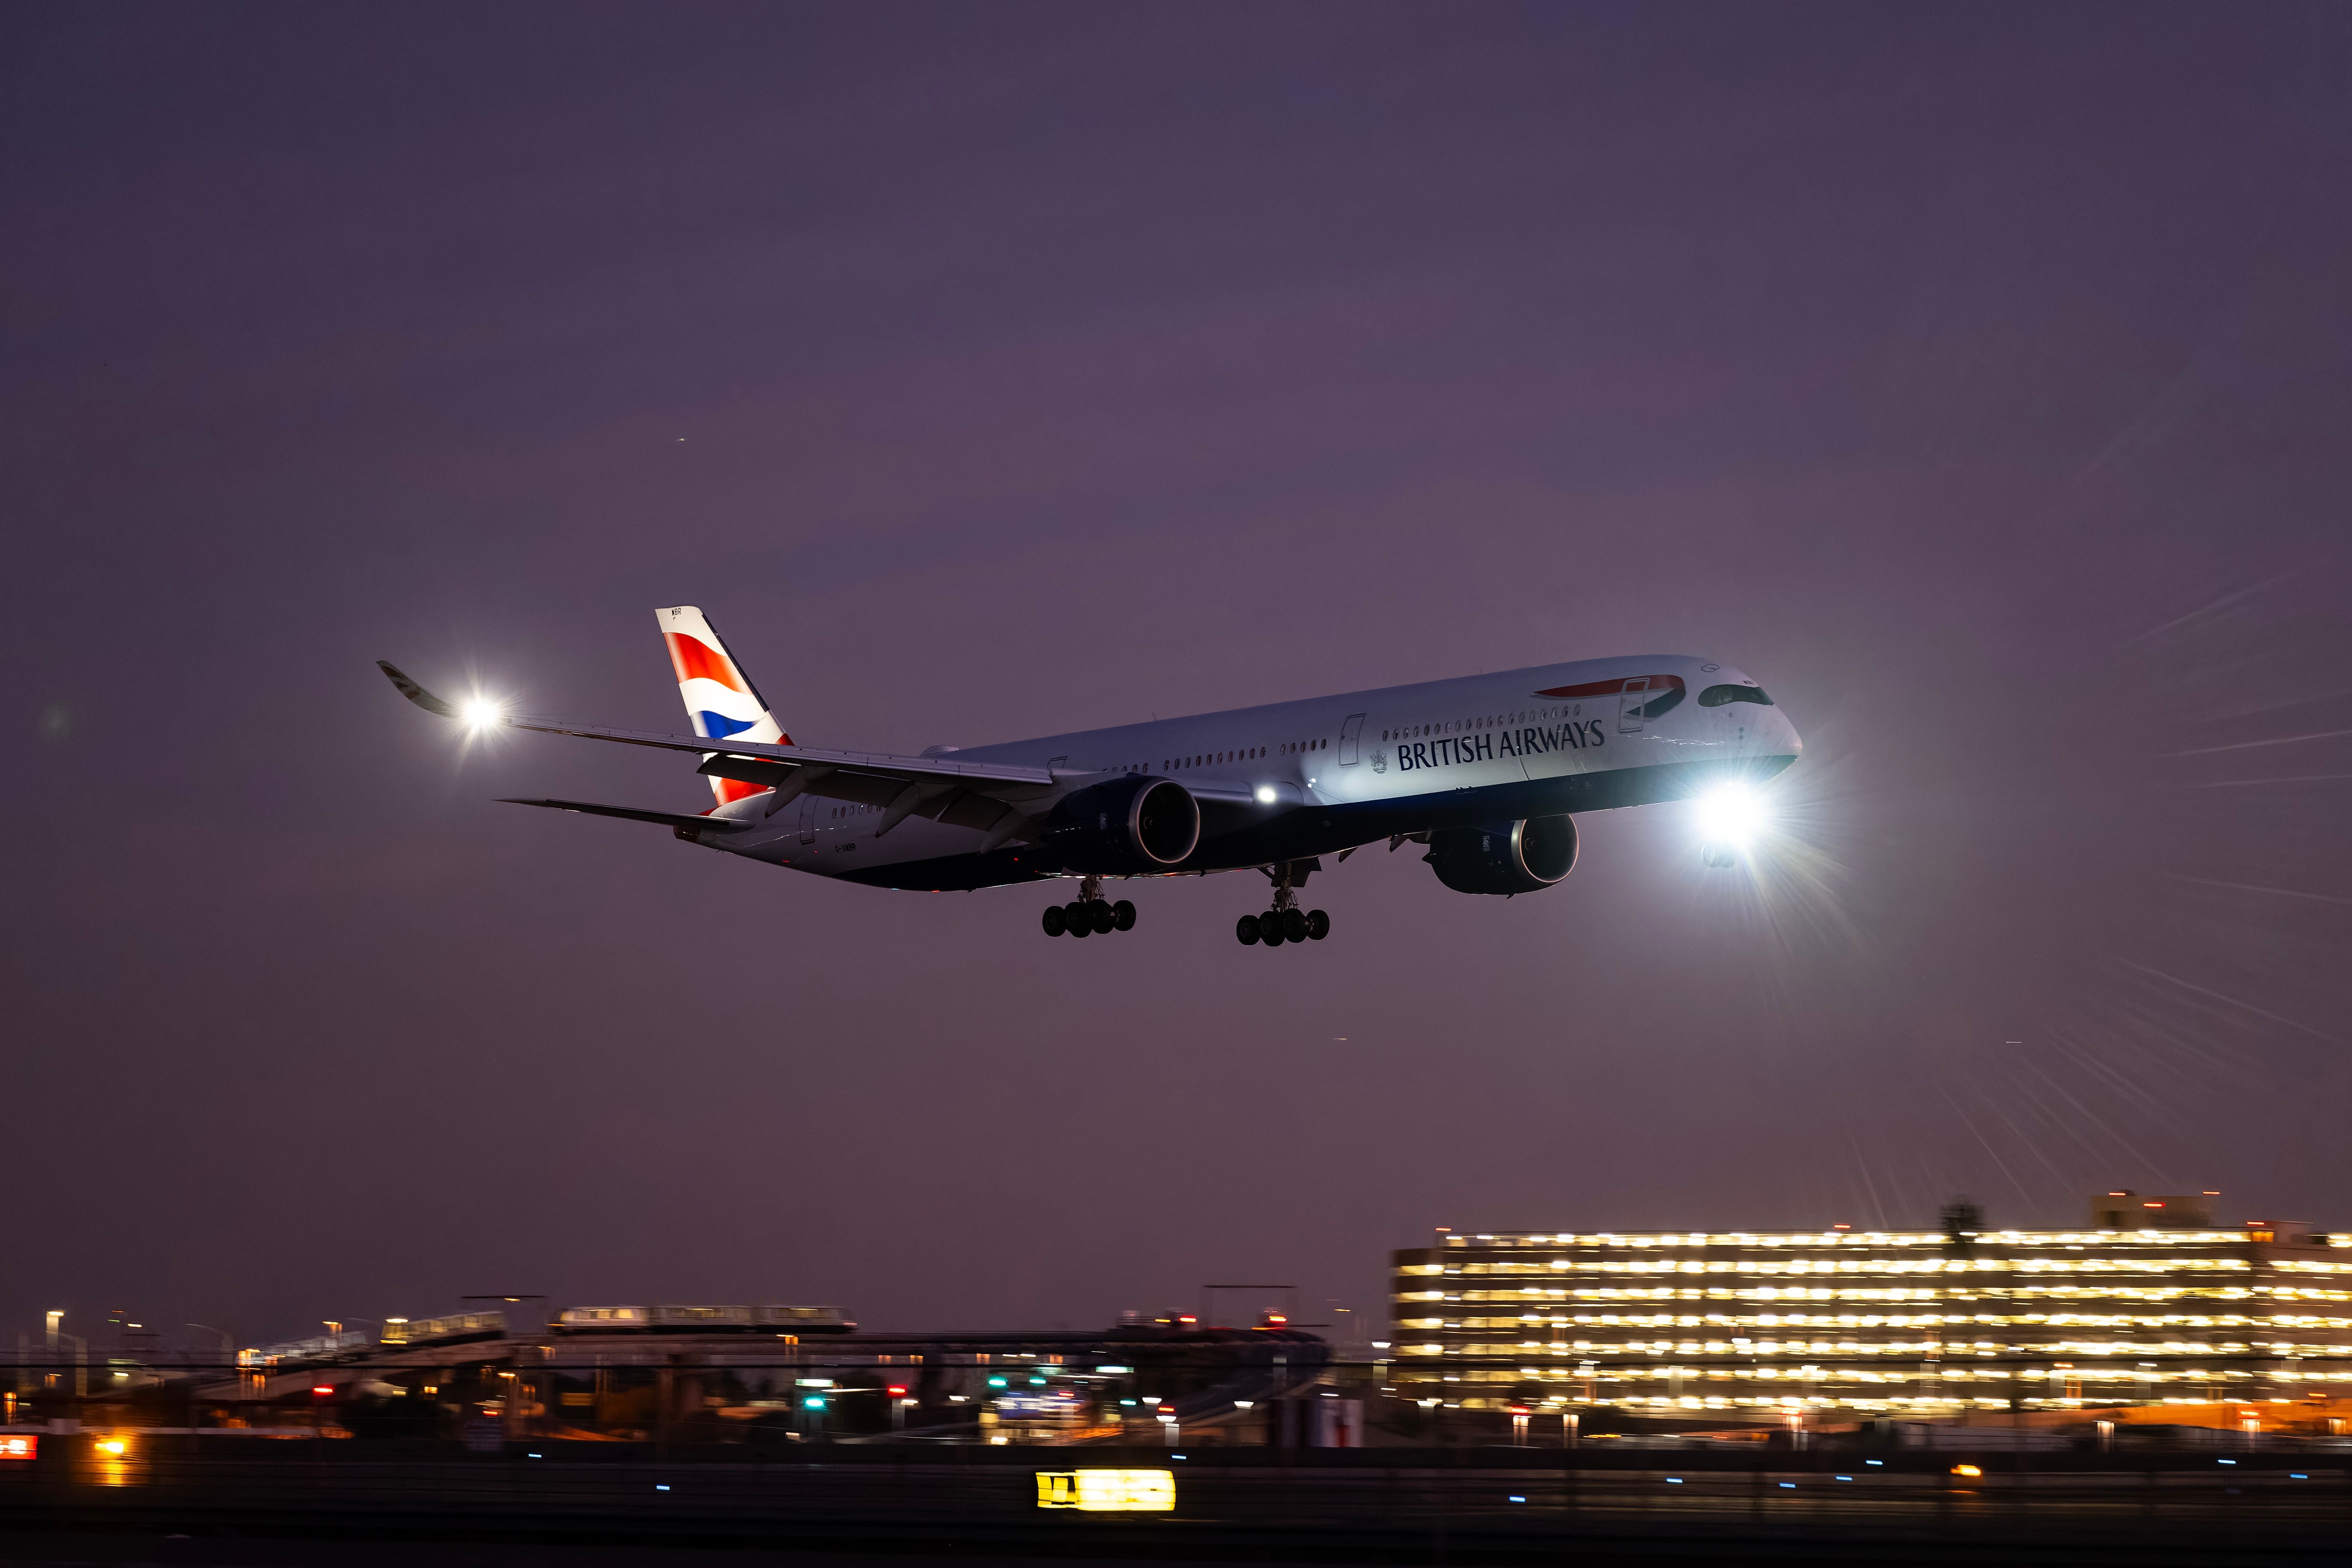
[
  {"x": 1127, "y": 826},
  {"x": 1504, "y": 856}
]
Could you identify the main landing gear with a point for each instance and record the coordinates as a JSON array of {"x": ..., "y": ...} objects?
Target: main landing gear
[
  {"x": 1286, "y": 921},
  {"x": 1088, "y": 914}
]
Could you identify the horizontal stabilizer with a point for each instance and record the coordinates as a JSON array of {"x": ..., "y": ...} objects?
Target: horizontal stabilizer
[{"x": 682, "y": 820}]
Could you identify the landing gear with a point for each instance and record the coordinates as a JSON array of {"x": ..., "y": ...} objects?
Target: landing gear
[
  {"x": 1088, "y": 914},
  {"x": 1286, "y": 921}
]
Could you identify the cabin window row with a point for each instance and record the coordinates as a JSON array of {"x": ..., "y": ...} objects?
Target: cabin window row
[
  {"x": 1453, "y": 726},
  {"x": 1248, "y": 754}
]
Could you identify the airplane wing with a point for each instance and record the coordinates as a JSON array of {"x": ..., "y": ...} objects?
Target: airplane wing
[
  {"x": 684, "y": 821},
  {"x": 968, "y": 794}
]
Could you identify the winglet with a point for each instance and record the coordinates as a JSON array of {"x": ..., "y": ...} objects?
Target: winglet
[{"x": 415, "y": 693}]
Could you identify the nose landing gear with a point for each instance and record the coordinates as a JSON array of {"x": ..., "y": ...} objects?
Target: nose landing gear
[
  {"x": 1088, "y": 914},
  {"x": 1286, "y": 921}
]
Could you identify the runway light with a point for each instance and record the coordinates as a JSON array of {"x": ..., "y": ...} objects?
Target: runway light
[
  {"x": 1967, "y": 1470},
  {"x": 114, "y": 1448},
  {"x": 1731, "y": 814}
]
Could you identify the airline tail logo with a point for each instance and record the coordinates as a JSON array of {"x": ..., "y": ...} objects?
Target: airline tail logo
[{"x": 719, "y": 698}]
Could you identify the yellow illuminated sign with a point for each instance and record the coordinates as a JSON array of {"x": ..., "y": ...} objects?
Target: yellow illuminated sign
[{"x": 1108, "y": 1491}]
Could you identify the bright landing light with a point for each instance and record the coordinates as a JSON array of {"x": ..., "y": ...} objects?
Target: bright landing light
[
  {"x": 479, "y": 713},
  {"x": 1265, "y": 794},
  {"x": 1730, "y": 815}
]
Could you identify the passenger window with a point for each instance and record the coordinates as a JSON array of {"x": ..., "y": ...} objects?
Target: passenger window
[{"x": 1717, "y": 696}]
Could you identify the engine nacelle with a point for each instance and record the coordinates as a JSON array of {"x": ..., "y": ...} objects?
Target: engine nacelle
[
  {"x": 1522, "y": 857},
  {"x": 1130, "y": 825}
]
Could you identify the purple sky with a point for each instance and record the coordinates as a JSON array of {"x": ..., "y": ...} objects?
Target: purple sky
[{"x": 1975, "y": 376}]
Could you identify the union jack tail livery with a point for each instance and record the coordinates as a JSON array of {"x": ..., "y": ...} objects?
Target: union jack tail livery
[{"x": 719, "y": 698}]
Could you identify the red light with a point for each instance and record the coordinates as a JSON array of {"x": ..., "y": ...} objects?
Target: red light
[
  {"x": 898, "y": 1393},
  {"x": 322, "y": 1389},
  {"x": 2151, "y": 1205},
  {"x": 15, "y": 1446},
  {"x": 1187, "y": 1318}
]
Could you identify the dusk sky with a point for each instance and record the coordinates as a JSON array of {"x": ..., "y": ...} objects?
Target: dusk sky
[{"x": 1974, "y": 376}]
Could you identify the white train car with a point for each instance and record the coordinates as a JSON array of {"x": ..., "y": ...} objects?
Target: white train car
[
  {"x": 457, "y": 1329},
  {"x": 603, "y": 1320},
  {"x": 674, "y": 1319}
]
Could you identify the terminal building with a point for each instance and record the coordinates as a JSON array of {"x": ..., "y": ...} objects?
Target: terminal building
[{"x": 2151, "y": 1303}]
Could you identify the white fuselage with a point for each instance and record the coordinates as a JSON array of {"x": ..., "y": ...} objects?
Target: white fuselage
[{"x": 1292, "y": 780}]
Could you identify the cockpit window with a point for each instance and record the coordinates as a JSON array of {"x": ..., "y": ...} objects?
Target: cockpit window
[{"x": 1717, "y": 696}]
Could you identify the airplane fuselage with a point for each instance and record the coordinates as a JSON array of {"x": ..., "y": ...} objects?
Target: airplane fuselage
[{"x": 1291, "y": 781}]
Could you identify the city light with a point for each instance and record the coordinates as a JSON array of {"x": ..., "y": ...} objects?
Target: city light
[{"x": 1108, "y": 1492}]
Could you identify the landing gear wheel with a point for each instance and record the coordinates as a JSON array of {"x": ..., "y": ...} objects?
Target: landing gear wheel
[
  {"x": 1245, "y": 929},
  {"x": 1075, "y": 917},
  {"x": 1122, "y": 916},
  {"x": 1319, "y": 925},
  {"x": 1269, "y": 928},
  {"x": 1105, "y": 922},
  {"x": 1293, "y": 924},
  {"x": 1054, "y": 921}
]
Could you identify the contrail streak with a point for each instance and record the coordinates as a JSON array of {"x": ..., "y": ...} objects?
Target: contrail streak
[
  {"x": 2250, "y": 745},
  {"x": 2256, "y": 888},
  {"x": 2295, "y": 778},
  {"x": 1988, "y": 1149},
  {"x": 2232, "y": 1001}
]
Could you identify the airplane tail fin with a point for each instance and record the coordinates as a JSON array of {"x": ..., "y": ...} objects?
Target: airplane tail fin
[{"x": 719, "y": 698}]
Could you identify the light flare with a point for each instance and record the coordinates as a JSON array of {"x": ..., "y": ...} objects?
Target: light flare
[{"x": 1732, "y": 816}]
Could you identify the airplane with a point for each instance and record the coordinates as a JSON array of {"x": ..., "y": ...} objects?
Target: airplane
[{"x": 1488, "y": 771}]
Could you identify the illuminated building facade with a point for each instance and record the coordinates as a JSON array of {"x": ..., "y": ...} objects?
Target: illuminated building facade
[{"x": 1910, "y": 1323}]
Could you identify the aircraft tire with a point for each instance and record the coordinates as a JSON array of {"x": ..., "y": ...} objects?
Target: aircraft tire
[
  {"x": 1075, "y": 915},
  {"x": 1294, "y": 925},
  {"x": 1269, "y": 928},
  {"x": 1105, "y": 922},
  {"x": 1054, "y": 921},
  {"x": 1122, "y": 914},
  {"x": 1319, "y": 925},
  {"x": 1245, "y": 930}
]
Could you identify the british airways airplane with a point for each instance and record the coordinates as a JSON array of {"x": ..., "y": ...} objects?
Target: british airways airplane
[{"x": 1489, "y": 772}]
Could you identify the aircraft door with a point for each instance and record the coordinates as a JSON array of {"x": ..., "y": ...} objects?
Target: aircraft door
[
  {"x": 808, "y": 819},
  {"x": 1349, "y": 734},
  {"x": 1629, "y": 705}
]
